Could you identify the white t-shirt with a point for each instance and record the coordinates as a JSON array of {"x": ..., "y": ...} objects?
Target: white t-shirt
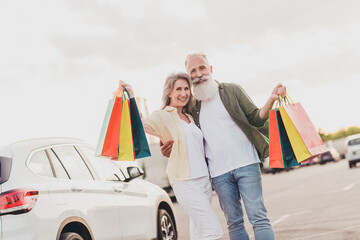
[
  {"x": 226, "y": 145},
  {"x": 195, "y": 150}
]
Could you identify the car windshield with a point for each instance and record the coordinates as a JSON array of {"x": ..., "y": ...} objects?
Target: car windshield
[
  {"x": 105, "y": 168},
  {"x": 354, "y": 142}
]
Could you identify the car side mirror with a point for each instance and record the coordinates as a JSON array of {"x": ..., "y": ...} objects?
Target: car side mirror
[{"x": 134, "y": 172}]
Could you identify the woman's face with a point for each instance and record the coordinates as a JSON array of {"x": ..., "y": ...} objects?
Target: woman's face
[{"x": 180, "y": 94}]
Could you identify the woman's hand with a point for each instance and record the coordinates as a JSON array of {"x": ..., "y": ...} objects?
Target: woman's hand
[
  {"x": 128, "y": 88},
  {"x": 166, "y": 148}
]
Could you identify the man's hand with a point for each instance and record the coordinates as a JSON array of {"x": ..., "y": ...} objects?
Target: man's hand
[
  {"x": 166, "y": 148},
  {"x": 279, "y": 90}
]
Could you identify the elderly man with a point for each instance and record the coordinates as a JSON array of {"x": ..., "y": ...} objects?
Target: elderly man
[{"x": 234, "y": 146}]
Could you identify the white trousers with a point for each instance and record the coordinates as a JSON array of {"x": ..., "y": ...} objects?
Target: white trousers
[{"x": 195, "y": 197}]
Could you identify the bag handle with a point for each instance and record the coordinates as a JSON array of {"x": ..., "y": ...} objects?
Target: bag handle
[
  {"x": 288, "y": 97},
  {"x": 277, "y": 103},
  {"x": 281, "y": 101},
  {"x": 127, "y": 95},
  {"x": 118, "y": 93},
  {"x": 286, "y": 100}
]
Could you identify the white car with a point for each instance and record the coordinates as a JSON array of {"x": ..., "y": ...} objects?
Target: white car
[
  {"x": 55, "y": 188},
  {"x": 155, "y": 169},
  {"x": 352, "y": 149}
]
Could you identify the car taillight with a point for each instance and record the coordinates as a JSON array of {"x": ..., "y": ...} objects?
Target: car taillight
[{"x": 17, "y": 201}]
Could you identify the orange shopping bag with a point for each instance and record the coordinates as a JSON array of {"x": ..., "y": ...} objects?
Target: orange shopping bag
[
  {"x": 275, "y": 155},
  {"x": 111, "y": 142}
]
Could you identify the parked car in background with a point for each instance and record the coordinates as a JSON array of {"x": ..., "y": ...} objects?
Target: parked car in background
[
  {"x": 352, "y": 149},
  {"x": 55, "y": 188},
  {"x": 331, "y": 155},
  {"x": 338, "y": 144},
  {"x": 310, "y": 162}
]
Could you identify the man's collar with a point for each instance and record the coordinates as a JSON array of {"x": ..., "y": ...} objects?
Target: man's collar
[{"x": 220, "y": 86}]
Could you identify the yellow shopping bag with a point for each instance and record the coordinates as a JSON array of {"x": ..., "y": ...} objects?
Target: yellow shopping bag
[{"x": 126, "y": 145}]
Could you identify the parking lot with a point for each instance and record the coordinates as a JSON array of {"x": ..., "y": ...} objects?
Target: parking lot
[{"x": 313, "y": 202}]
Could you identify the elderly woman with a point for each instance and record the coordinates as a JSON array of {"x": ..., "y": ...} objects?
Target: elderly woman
[{"x": 186, "y": 169}]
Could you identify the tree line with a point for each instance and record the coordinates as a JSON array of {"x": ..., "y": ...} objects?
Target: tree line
[{"x": 339, "y": 134}]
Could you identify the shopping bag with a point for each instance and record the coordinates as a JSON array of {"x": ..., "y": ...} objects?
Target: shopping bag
[
  {"x": 141, "y": 147},
  {"x": 275, "y": 155},
  {"x": 295, "y": 139},
  {"x": 104, "y": 128},
  {"x": 126, "y": 146},
  {"x": 306, "y": 130},
  {"x": 111, "y": 141},
  {"x": 289, "y": 158},
  {"x": 281, "y": 154}
]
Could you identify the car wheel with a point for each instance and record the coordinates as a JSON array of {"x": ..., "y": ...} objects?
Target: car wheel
[
  {"x": 70, "y": 236},
  {"x": 166, "y": 227},
  {"x": 350, "y": 165}
]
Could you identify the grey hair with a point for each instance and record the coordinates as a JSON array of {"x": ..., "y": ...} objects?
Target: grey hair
[
  {"x": 193, "y": 55},
  {"x": 168, "y": 87}
]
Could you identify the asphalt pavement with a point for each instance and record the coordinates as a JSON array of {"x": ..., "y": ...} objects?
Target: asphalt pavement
[{"x": 319, "y": 202}]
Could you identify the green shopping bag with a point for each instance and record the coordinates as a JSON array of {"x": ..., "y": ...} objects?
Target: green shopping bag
[
  {"x": 141, "y": 146},
  {"x": 289, "y": 158}
]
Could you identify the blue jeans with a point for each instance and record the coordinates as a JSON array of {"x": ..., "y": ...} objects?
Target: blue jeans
[{"x": 245, "y": 183}]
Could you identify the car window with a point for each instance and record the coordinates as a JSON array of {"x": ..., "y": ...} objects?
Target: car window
[
  {"x": 58, "y": 167},
  {"x": 103, "y": 166},
  {"x": 40, "y": 164},
  {"x": 5, "y": 169},
  {"x": 354, "y": 142},
  {"x": 73, "y": 163}
]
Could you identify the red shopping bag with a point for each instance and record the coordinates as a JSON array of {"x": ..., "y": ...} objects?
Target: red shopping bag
[
  {"x": 305, "y": 128},
  {"x": 111, "y": 142},
  {"x": 275, "y": 154}
]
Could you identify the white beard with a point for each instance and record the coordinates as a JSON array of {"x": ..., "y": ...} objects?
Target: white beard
[{"x": 206, "y": 90}]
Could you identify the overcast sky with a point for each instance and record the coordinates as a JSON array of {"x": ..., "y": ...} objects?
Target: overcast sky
[{"x": 60, "y": 61}]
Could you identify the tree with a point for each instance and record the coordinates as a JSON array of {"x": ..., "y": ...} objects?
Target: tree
[{"x": 339, "y": 134}]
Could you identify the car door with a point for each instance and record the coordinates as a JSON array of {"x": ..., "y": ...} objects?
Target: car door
[
  {"x": 134, "y": 207},
  {"x": 93, "y": 200},
  {"x": 60, "y": 185}
]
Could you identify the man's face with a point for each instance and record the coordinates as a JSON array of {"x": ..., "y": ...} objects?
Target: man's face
[{"x": 197, "y": 67}]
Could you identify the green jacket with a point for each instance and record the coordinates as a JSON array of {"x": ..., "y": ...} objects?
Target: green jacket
[{"x": 244, "y": 113}]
